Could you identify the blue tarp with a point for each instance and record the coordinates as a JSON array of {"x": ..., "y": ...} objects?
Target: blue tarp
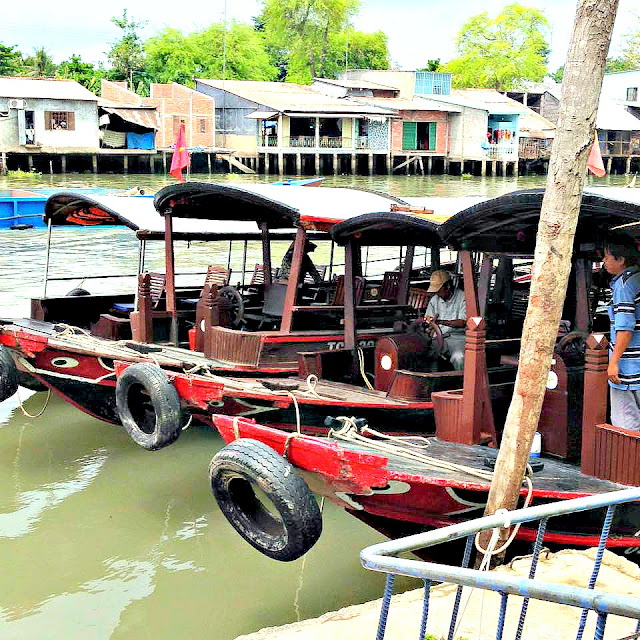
[{"x": 140, "y": 140}]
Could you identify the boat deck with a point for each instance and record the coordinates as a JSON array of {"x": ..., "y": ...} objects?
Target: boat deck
[{"x": 557, "y": 477}]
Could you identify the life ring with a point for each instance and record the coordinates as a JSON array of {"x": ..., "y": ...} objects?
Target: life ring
[
  {"x": 292, "y": 522},
  {"x": 8, "y": 375},
  {"x": 148, "y": 406}
]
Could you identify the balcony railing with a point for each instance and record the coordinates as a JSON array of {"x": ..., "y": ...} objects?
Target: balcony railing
[
  {"x": 307, "y": 142},
  {"x": 500, "y": 151},
  {"x": 620, "y": 147}
]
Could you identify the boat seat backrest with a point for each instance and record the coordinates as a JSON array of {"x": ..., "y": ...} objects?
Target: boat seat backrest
[
  {"x": 274, "y": 295},
  {"x": 338, "y": 296},
  {"x": 418, "y": 298},
  {"x": 321, "y": 268},
  {"x": 258, "y": 275},
  {"x": 217, "y": 275},
  {"x": 157, "y": 283},
  {"x": 390, "y": 286}
]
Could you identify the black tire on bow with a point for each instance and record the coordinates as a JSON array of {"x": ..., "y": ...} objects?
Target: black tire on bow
[
  {"x": 28, "y": 381},
  {"x": 8, "y": 375},
  {"x": 148, "y": 406},
  {"x": 77, "y": 292},
  {"x": 265, "y": 499},
  {"x": 237, "y": 304}
]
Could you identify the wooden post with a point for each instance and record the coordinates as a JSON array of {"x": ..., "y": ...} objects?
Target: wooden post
[
  {"x": 405, "y": 278},
  {"x": 266, "y": 252},
  {"x": 477, "y": 415},
  {"x": 486, "y": 271},
  {"x": 596, "y": 390},
  {"x": 349, "y": 298},
  {"x": 207, "y": 316},
  {"x": 170, "y": 285},
  {"x": 294, "y": 280},
  {"x": 141, "y": 320},
  {"x": 470, "y": 287},
  {"x": 554, "y": 245}
]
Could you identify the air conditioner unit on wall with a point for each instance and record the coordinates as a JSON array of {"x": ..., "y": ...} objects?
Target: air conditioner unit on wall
[{"x": 16, "y": 103}]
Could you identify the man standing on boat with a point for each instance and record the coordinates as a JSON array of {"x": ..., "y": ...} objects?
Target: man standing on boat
[
  {"x": 306, "y": 268},
  {"x": 448, "y": 309},
  {"x": 621, "y": 260}
]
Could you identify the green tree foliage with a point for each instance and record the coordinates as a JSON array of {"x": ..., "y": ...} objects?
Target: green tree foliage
[
  {"x": 40, "y": 64},
  {"x": 127, "y": 54},
  {"x": 83, "y": 72},
  {"x": 356, "y": 50},
  {"x": 303, "y": 28},
  {"x": 10, "y": 61},
  {"x": 432, "y": 65},
  {"x": 503, "y": 51},
  {"x": 175, "y": 57},
  {"x": 558, "y": 74},
  {"x": 629, "y": 59}
]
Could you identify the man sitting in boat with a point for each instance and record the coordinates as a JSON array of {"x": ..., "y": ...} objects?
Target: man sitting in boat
[
  {"x": 448, "y": 309},
  {"x": 307, "y": 267},
  {"x": 621, "y": 260}
]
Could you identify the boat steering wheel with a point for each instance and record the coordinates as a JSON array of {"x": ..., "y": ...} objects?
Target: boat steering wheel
[
  {"x": 432, "y": 330},
  {"x": 237, "y": 304}
]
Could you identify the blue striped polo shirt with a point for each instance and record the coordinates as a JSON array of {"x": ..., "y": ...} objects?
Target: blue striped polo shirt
[{"x": 624, "y": 313}]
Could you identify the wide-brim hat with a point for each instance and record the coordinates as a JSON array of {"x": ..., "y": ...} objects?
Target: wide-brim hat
[{"x": 438, "y": 278}]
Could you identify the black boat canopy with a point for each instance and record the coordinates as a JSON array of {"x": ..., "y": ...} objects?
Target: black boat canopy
[
  {"x": 388, "y": 229},
  {"x": 509, "y": 224},
  {"x": 279, "y": 206}
]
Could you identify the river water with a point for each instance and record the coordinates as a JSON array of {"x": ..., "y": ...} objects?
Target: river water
[{"x": 101, "y": 539}]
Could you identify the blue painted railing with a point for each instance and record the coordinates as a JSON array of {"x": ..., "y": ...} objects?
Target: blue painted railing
[{"x": 382, "y": 558}]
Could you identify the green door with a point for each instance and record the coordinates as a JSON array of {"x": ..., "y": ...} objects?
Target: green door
[
  {"x": 433, "y": 128},
  {"x": 409, "y": 135}
]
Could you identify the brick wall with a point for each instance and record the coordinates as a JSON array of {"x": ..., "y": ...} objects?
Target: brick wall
[
  {"x": 118, "y": 92},
  {"x": 441, "y": 117}
]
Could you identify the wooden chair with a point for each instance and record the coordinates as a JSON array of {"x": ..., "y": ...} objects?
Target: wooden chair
[
  {"x": 217, "y": 275},
  {"x": 418, "y": 298},
  {"x": 390, "y": 286},
  {"x": 322, "y": 270},
  {"x": 338, "y": 296},
  {"x": 257, "y": 277},
  {"x": 150, "y": 288},
  {"x": 157, "y": 283}
]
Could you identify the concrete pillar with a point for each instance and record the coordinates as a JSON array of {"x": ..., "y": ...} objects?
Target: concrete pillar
[
  {"x": 281, "y": 163},
  {"x": 371, "y": 164},
  {"x": 94, "y": 162},
  {"x": 504, "y": 169},
  {"x": 483, "y": 168},
  {"x": 30, "y": 162},
  {"x": 3, "y": 164},
  {"x": 494, "y": 167},
  {"x": 446, "y": 165},
  {"x": 298, "y": 164},
  {"x": 125, "y": 164},
  {"x": 429, "y": 165},
  {"x": 63, "y": 159},
  {"x": 335, "y": 164},
  {"x": 406, "y": 166},
  {"x": 354, "y": 164},
  {"x": 627, "y": 170},
  {"x": 209, "y": 162},
  {"x": 164, "y": 162},
  {"x": 152, "y": 164},
  {"x": 317, "y": 159},
  {"x": 516, "y": 169},
  {"x": 390, "y": 164},
  {"x": 266, "y": 163},
  {"x": 609, "y": 160}
]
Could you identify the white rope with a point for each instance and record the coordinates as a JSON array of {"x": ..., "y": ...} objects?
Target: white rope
[
  {"x": 362, "y": 371},
  {"x": 37, "y": 415}
]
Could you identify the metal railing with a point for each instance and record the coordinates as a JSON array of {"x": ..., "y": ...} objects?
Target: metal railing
[
  {"x": 382, "y": 558},
  {"x": 500, "y": 151}
]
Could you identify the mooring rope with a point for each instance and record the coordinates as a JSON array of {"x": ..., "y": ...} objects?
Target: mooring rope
[{"x": 37, "y": 415}]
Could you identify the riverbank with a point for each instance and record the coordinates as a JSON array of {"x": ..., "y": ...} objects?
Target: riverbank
[{"x": 480, "y": 615}]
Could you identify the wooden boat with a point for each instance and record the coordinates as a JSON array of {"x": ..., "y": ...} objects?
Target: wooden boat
[
  {"x": 244, "y": 345},
  {"x": 401, "y": 487}
]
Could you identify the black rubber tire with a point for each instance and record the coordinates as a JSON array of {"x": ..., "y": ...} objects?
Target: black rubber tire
[
  {"x": 77, "y": 292},
  {"x": 148, "y": 406},
  {"x": 27, "y": 381},
  {"x": 8, "y": 375},
  {"x": 234, "y": 473}
]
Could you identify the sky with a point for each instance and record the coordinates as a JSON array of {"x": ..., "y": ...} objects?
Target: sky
[{"x": 418, "y": 30}]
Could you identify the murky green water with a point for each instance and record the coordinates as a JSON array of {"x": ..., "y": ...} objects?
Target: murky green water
[{"x": 101, "y": 539}]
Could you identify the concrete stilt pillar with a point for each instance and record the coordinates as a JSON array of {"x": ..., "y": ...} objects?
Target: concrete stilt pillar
[
  {"x": 94, "y": 162},
  {"x": 298, "y": 164},
  {"x": 516, "y": 168},
  {"x": 164, "y": 162},
  {"x": 63, "y": 160},
  {"x": 446, "y": 165},
  {"x": 209, "y": 162},
  {"x": 406, "y": 166},
  {"x": 494, "y": 167},
  {"x": 483, "y": 168},
  {"x": 30, "y": 162},
  {"x": 354, "y": 164},
  {"x": 390, "y": 164},
  {"x": 3, "y": 164},
  {"x": 504, "y": 169},
  {"x": 281, "y": 163},
  {"x": 317, "y": 159},
  {"x": 266, "y": 164},
  {"x": 627, "y": 169},
  {"x": 609, "y": 160},
  {"x": 370, "y": 164},
  {"x": 125, "y": 164},
  {"x": 335, "y": 164},
  {"x": 429, "y": 165},
  {"x": 152, "y": 164}
]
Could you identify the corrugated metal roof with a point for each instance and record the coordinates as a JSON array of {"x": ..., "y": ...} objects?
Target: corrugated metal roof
[
  {"x": 492, "y": 101},
  {"x": 287, "y": 96},
  {"x": 613, "y": 116},
  {"x": 44, "y": 88},
  {"x": 357, "y": 84},
  {"x": 533, "y": 125},
  {"x": 142, "y": 116},
  {"x": 417, "y": 104}
]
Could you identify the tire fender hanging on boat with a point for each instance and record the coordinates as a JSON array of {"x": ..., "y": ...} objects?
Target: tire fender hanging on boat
[
  {"x": 285, "y": 525},
  {"x": 8, "y": 375},
  {"x": 148, "y": 406}
]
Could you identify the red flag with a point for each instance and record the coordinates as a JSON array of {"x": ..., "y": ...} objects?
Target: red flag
[
  {"x": 180, "y": 159},
  {"x": 594, "y": 163}
]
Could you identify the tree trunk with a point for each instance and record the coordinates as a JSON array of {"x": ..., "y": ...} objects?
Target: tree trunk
[{"x": 583, "y": 74}]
